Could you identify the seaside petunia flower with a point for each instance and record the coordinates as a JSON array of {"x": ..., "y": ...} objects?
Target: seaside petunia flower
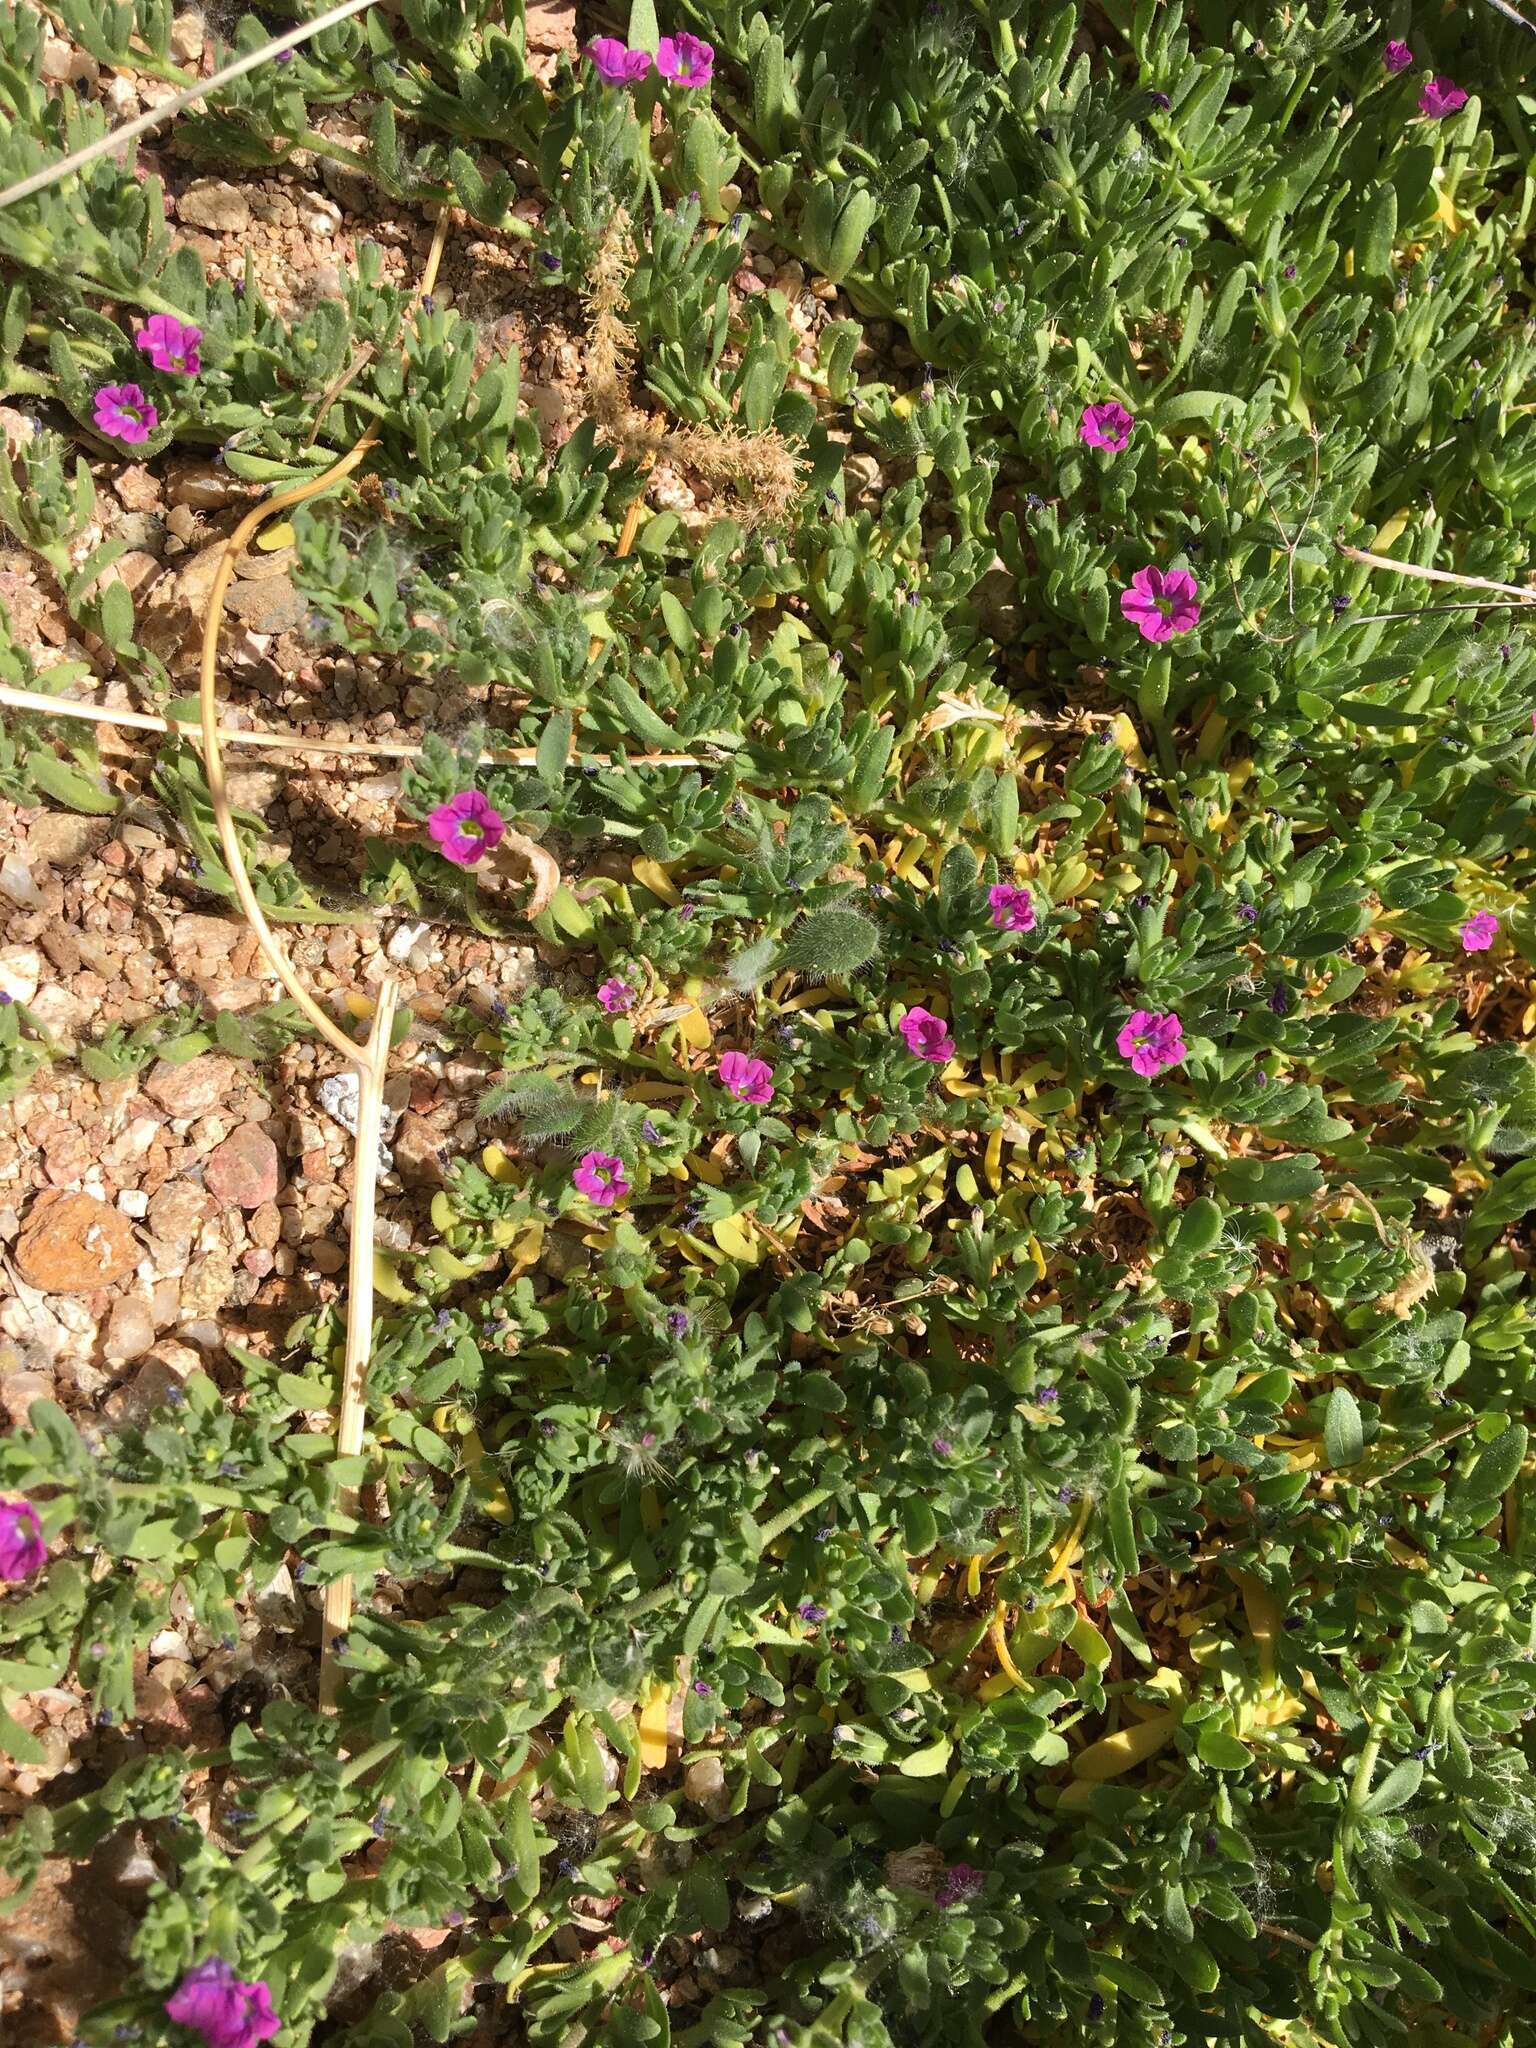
[
  {"x": 1013, "y": 908},
  {"x": 22, "y": 1549},
  {"x": 170, "y": 344},
  {"x": 600, "y": 1176},
  {"x": 1479, "y": 932},
  {"x": 124, "y": 412},
  {"x": 616, "y": 996},
  {"x": 1151, "y": 1040},
  {"x": 1161, "y": 602},
  {"x": 616, "y": 63},
  {"x": 685, "y": 59},
  {"x": 747, "y": 1079},
  {"x": 1397, "y": 57},
  {"x": 1107, "y": 425},
  {"x": 466, "y": 827},
  {"x": 220, "y": 2006},
  {"x": 1441, "y": 96},
  {"x": 927, "y": 1036}
]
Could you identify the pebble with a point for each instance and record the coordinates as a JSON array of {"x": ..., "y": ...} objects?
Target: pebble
[
  {"x": 319, "y": 216},
  {"x": 18, "y": 1390},
  {"x": 338, "y": 1098},
  {"x": 63, "y": 64},
  {"x": 404, "y": 940},
  {"x": 206, "y": 1285},
  {"x": 204, "y": 487},
  {"x": 72, "y": 1244},
  {"x": 21, "y": 969},
  {"x": 60, "y": 840},
  {"x": 328, "y": 1257},
  {"x": 130, "y": 1330},
  {"x": 270, "y": 606},
  {"x": 16, "y": 882},
  {"x": 244, "y": 1170},
  {"x": 189, "y": 32},
  {"x": 704, "y": 1786},
  {"x": 193, "y": 1088},
  {"x": 215, "y": 203},
  {"x": 159, "y": 1376},
  {"x": 177, "y": 1212},
  {"x": 266, "y": 1226},
  {"x": 135, "y": 1203}
]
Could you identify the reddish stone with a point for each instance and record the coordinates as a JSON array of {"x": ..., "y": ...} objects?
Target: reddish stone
[{"x": 244, "y": 1170}]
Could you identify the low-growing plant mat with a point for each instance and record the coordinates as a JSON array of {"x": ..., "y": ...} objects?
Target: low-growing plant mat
[{"x": 905, "y": 634}]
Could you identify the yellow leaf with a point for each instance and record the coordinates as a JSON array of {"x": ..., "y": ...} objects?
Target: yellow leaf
[
  {"x": 524, "y": 1253},
  {"x": 650, "y": 874},
  {"x": 387, "y": 1281},
  {"x": 497, "y": 1164},
  {"x": 653, "y": 1731},
  {"x": 274, "y": 537},
  {"x": 992, "y": 1163},
  {"x": 694, "y": 1027},
  {"x": 730, "y": 1233},
  {"x": 1115, "y": 1754}
]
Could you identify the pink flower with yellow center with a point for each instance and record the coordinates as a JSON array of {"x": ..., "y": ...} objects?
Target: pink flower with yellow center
[
  {"x": 927, "y": 1036},
  {"x": 1106, "y": 425},
  {"x": 1151, "y": 1040},
  {"x": 229, "y": 2013},
  {"x": 747, "y": 1079},
  {"x": 1161, "y": 602},
  {"x": 170, "y": 344},
  {"x": 1013, "y": 908},
  {"x": 616, "y": 63},
  {"x": 466, "y": 828},
  {"x": 125, "y": 413},
  {"x": 22, "y": 1549},
  {"x": 600, "y": 1176},
  {"x": 685, "y": 59}
]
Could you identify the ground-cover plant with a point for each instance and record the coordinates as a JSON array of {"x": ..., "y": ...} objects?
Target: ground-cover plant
[{"x": 959, "y": 1459}]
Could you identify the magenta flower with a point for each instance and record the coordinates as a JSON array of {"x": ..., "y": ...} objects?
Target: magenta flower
[
  {"x": 616, "y": 996},
  {"x": 170, "y": 344},
  {"x": 1105, "y": 426},
  {"x": 1479, "y": 933},
  {"x": 1161, "y": 602},
  {"x": 1397, "y": 57},
  {"x": 960, "y": 1882},
  {"x": 686, "y": 59},
  {"x": 600, "y": 1176},
  {"x": 927, "y": 1036},
  {"x": 125, "y": 413},
  {"x": 1013, "y": 908},
  {"x": 747, "y": 1079},
  {"x": 22, "y": 1549},
  {"x": 1151, "y": 1040},
  {"x": 228, "y": 2013},
  {"x": 616, "y": 62},
  {"x": 466, "y": 827},
  {"x": 1441, "y": 96}
]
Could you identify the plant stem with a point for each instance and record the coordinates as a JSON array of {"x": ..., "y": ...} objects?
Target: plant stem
[{"x": 372, "y": 1074}]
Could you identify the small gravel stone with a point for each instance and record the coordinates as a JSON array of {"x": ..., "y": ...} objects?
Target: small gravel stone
[
  {"x": 193, "y": 1088},
  {"x": 130, "y": 1330},
  {"x": 245, "y": 1170},
  {"x": 72, "y": 1244},
  {"x": 21, "y": 969},
  {"x": 215, "y": 203}
]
